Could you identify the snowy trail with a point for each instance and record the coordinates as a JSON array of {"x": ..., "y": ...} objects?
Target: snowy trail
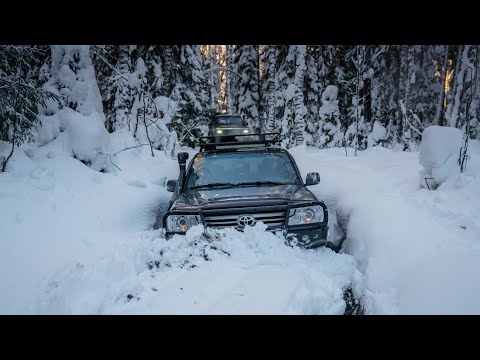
[
  {"x": 236, "y": 273},
  {"x": 75, "y": 241},
  {"x": 94, "y": 248}
]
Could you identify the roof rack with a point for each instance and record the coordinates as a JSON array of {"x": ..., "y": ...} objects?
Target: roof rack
[{"x": 215, "y": 142}]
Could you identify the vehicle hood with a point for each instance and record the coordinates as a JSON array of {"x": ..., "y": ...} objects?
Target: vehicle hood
[{"x": 287, "y": 193}]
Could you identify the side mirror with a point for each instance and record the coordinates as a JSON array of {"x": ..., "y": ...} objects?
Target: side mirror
[
  {"x": 171, "y": 185},
  {"x": 313, "y": 178}
]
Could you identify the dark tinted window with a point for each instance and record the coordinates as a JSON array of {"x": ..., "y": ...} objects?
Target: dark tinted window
[
  {"x": 242, "y": 167},
  {"x": 229, "y": 120}
]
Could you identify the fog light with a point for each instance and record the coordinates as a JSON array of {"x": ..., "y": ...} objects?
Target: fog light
[
  {"x": 219, "y": 131},
  {"x": 245, "y": 131},
  {"x": 305, "y": 238}
]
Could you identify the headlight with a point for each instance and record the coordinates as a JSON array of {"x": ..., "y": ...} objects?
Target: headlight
[
  {"x": 219, "y": 131},
  {"x": 305, "y": 215},
  {"x": 245, "y": 131},
  {"x": 181, "y": 223}
]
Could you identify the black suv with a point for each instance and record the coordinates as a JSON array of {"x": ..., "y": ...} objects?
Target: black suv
[{"x": 238, "y": 184}]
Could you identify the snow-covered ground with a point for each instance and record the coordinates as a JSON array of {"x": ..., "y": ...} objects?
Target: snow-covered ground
[
  {"x": 74, "y": 240},
  {"x": 419, "y": 250}
]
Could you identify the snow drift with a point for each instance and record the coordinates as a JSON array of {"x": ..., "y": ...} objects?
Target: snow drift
[{"x": 439, "y": 152}]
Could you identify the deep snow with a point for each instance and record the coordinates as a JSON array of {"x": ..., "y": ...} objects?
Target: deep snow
[
  {"x": 55, "y": 211},
  {"x": 419, "y": 250},
  {"x": 73, "y": 240}
]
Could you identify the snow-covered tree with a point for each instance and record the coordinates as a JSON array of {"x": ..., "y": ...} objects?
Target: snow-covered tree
[
  {"x": 299, "y": 101},
  {"x": 289, "y": 106},
  {"x": 329, "y": 130},
  {"x": 73, "y": 76},
  {"x": 268, "y": 81},
  {"x": 80, "y": 111},
  {"x": 231, "y": 79},
  {"x": 311, "y": 93},
  {"x": 123, "y": 97},
  {"x": 104, "y": 59},
  {"x": 359, "y": 73},
  {"x": 191, "y": 95},
  {"x": 213, "y": 59},
  {"x": 247, "y": 67},
  {"x": 20, "y": 94}
]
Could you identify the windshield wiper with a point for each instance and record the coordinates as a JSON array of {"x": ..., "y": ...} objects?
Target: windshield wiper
[
  {"x": 259, "y": 183},
  {"x": 212, "y": 185}
]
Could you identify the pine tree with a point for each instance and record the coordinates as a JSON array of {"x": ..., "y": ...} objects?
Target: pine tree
[
  {"x": 299, "y": 96},
  {"x": 213, "y": 58},
  {"x": 268, "y": 85},
  {"x": 383, "y": 108},
  {"x": 73, "y": 77},
  {"x": 247, "y": 66},
  {"x": 104, "y": 58},
  {"x": 286, "y": 93},
  {"x": 311, "y": 93},
  {"x": 20, "y": 94},
  {"x": 231, "y": 79},
  {"x": 191, "y": 94},
  {"x": 124, "y": 90},
  {"x": 455, "y": 111},
  {"x": 329, "y": 130}
]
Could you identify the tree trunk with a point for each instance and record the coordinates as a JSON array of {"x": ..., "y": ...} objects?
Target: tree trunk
[
  {"x": 439, "y": 113},
  {"x": 366, "y": 91},
  {"x": 460, "y": 78}
]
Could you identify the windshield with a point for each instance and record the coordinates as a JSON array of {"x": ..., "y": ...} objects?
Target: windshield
[
  {"x": 229, "y": 120},
  {"x": 242, "y": 168}
]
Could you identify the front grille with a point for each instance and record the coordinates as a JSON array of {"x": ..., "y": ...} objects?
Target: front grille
[{"x": 219, "y": 219}]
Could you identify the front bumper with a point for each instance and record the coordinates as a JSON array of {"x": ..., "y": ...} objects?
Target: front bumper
[
  {"x": 307, "y": 235},
  {"x": 308, "y": 238}
]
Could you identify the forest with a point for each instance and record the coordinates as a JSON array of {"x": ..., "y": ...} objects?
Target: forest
[{"x": 165, "y": 96}]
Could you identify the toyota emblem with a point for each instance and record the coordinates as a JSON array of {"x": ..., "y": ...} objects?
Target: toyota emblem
[{"x": 244, "y": 220}]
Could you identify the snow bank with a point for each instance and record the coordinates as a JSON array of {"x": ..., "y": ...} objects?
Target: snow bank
[
  {"x": 82, "y": 137},
  {"x": 418, "y": 250},
  {"x": 439, "y": 152},
  {"x": 88, "y": 137},
  {"x": 55, "y": 212},
  {"x": 49, "y": 130}
]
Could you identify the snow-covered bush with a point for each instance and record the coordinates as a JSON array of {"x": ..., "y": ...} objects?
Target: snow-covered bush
[
  {"x": 439, "y": 151},
  {"x": 377, "y": 136},
  {"x": 49, "y": 130},
  {"x": 89, "y": 140},
  {"x": 80, "y": 112}
]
